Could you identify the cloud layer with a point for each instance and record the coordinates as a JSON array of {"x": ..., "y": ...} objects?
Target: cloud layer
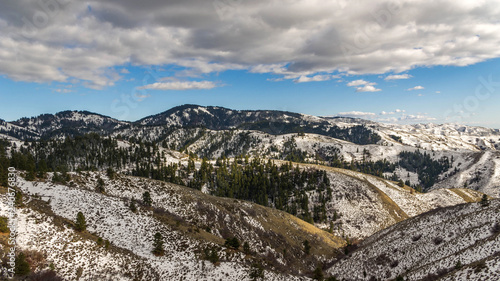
[
  {"x": 179, "y": 85},
  {"x": 304, "y": 40}
]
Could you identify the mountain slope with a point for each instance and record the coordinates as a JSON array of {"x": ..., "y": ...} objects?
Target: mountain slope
[
  {"x": 68, "y": 123},
  {"x": 190, "y": 221},
  {"x": 455, "y": 243},
  {"x": 364, "y": 204}
]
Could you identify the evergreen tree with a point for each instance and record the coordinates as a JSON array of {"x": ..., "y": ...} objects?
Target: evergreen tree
[
  {"x": 232, "y": 243},
  {"x": 246, "y": 248},
  {"x": 100, "y": 186},
  {"x": 484, "y": 201},
  {"x": 22, "y": 266},
  {"x": 318, "y": 274},
  {"x": 158, "y": 245},
  {"x": 211, "y": 255},
  {"x": 256, "y": 272},
  {"x": 132, "y": 206},
  {"x": 111, "y": 173},
  {"x": 307, "y": 247},
  {"x": 146, "y": 199},
  {"x": 80, "y": 224}
]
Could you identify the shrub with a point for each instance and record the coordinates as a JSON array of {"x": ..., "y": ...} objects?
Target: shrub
[
  {"x": 132, "y": 206},
  {"x": 496, "y": 228},
  {"x": 3, "y": 225},
  {"x": 246, "y": 248},
  {"x": 22, "y": 266},
  {"x": 232, "y": 243},
  {"x": 438, "y": 240},
  {"x": 46, "y": 275},
  {"x": 256, "y": 271},
  {"x": 211, "y": 255},
  {"x": 416, "y": 237},
  {"x": 318, "y": 274}
]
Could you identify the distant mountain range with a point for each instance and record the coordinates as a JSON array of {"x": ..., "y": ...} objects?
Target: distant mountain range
[{"x": 215, "y": 131}]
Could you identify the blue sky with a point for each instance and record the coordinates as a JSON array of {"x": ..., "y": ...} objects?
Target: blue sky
[{"x": 126, "y": 61}]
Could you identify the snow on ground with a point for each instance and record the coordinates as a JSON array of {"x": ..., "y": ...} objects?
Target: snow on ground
[
  {"x": 432, "y": 243},
  {"x": 109, "y": 217}
]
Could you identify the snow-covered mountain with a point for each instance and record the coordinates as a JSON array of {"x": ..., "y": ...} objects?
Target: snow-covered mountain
[
  {"x": 189, "y": 221},
  {"x": 192, "y": 222},
  {"x": 404, "y": 233},
  {"x": 215, "y": 131},
  {"x": 455, "y": 243},
  {"x": 66, "y": 123}
]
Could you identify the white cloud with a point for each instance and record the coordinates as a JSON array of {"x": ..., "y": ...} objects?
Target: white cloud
[
  {"x": 356, "y": 114},
  {"x": 124, "y": 71},
  {"x": 418, "y": 117},
  {"x": 63, "y": 91},
  {"x": 180, "y": 85},
  {"x": 314, "y": 78},
  {"x": 416, "y": 88},
  {"x": 398, "y": 77},
  {"x": 438, "y": 92},
  {"x": 363, "y": 86},
  {"x": 302, "y": 38},
  {"x": 400, "y": 110},
  {"x": 359, "y": 83},
  {"x": 367, "y": 88}
]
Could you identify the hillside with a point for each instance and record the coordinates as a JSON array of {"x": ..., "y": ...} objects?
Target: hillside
[
  {"x": 455, "y": 243},
  {"x": 365, "y": 204},
  {"x": 189, "y": 221},
  {"x": 214, "y": 132}
]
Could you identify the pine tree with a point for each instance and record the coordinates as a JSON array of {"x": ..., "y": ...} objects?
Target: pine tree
[
  {"x": 22, "y": 266},
  {"x": 80, "y": 224},
  {"x": 307, "y": 247},
  {"x": 132, "y": 206},
  {"x": 257, "y": 272},
  {"x": 110, "y": 173},
  {"x": 146, "y": 199},
  {"x": 158, "y": 245},
  {"x": 484, "y": 201},
  {"x": 318, "y": 274},
  {"x": 246, "y": 248},
  {"x": 100, "y": 186},
  {"x": 232, "y": 243}
]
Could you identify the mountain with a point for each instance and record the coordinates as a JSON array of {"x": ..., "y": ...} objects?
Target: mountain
[
  {"x": 455, "y": 243},
  {"x": 214, "y": 132},
  {"x": 194, "y": 225},
  {"x": 237, "y": 194},
  {"x": 67, "y": 123}
]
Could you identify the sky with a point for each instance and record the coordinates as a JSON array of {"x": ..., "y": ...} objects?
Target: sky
[{"x": 407, "y": 61}]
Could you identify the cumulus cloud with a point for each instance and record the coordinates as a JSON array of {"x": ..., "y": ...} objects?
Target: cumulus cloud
[
  {"x": 416, "y": 88},
  {"x": 314, "y": 78},
  {"x": 87, "y": 41},
  {"x": 418, "y": 117},
  {"x": 363, "y": 86},
  {"x": 395, "y": 116},
  {"x": 398, "y": 77},
  {"x": 359, "y": 114},
  {"x": 180, "y": 85}
]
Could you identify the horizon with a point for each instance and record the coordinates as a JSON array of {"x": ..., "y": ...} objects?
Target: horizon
[{"x": 390, "y": 62}]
